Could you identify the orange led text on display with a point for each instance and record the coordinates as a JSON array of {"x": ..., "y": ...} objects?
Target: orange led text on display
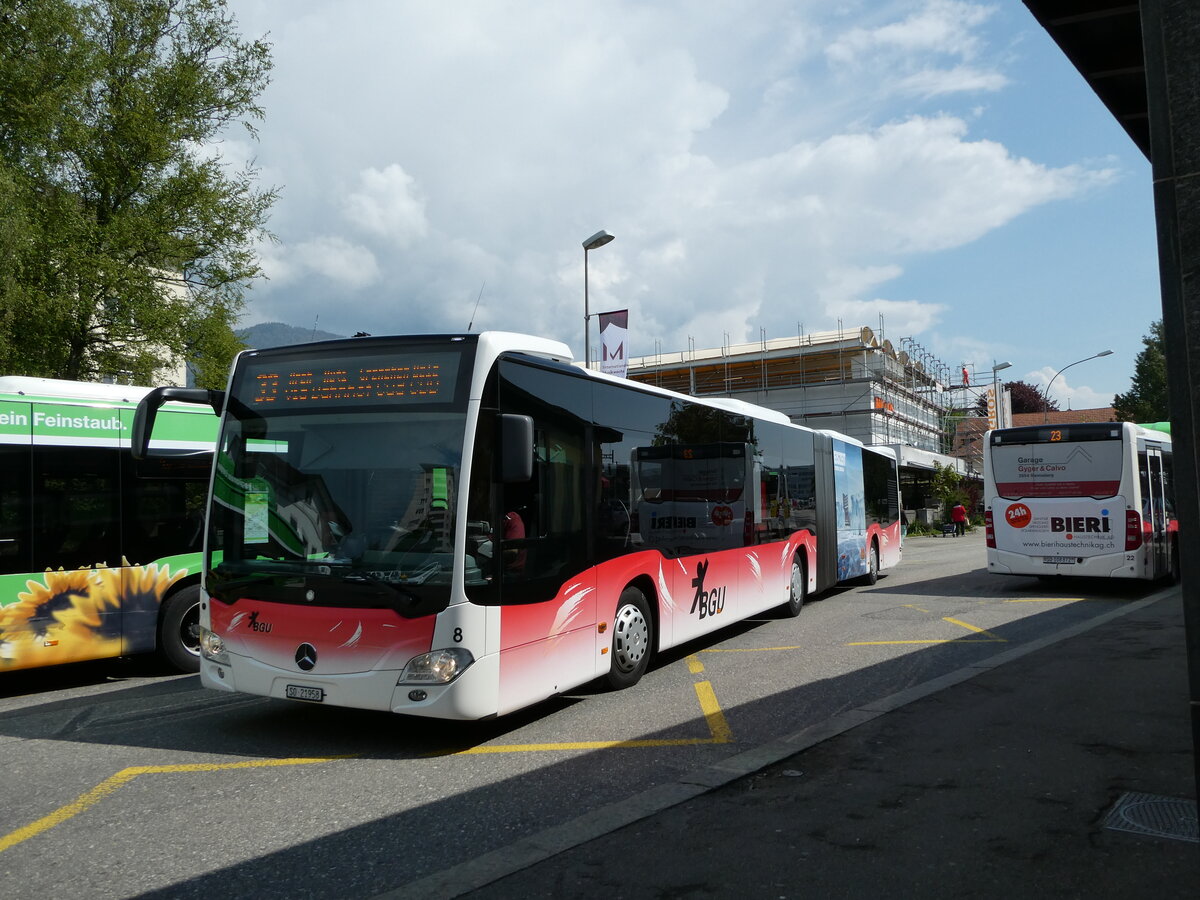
[{"x": 381, "y": 382}]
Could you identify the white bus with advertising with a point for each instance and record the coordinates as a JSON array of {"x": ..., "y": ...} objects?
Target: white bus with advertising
[
  {"x": 99, "y": 553},
  {"x": 459, "y": 526},
  {"x": 1087, "y": 499}
]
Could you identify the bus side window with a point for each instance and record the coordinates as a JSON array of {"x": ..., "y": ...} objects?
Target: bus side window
[
  {"x": 14, "y": 509},
  {"x": 163, "y": 516},
  {"x": 76, "y": 507}
]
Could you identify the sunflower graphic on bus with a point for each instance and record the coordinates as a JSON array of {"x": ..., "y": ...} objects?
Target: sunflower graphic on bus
[{"x": 76, "y": 615}]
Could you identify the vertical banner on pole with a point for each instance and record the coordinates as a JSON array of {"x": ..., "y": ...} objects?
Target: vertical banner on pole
[
  {"x": 991, "y": 408},
  {"x": 614, "y": 329}
]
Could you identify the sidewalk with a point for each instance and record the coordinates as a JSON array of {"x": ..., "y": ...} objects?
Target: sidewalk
[{"x": 997, "y": 786}]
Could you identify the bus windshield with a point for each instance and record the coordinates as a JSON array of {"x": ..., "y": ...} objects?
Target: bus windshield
[{"x": 328, "y": 488}]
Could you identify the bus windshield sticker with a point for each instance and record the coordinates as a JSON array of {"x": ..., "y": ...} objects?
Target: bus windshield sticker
[{"x": 256, "y": 517}]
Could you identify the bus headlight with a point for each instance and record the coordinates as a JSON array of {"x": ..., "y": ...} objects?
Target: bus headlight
[
  {"x": 212, "y": 647},
  {"x": 436, "y": 667}
]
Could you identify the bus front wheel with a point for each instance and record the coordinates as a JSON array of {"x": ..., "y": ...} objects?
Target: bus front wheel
[
  {"x": 179, "y": 629},
  {"x": 633, "y": 636}
]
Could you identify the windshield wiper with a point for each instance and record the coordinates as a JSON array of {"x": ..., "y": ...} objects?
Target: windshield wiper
[{"x": 414, "y": 603}]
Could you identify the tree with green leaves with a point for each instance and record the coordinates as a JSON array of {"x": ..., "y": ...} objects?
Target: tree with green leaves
[
  {"x": 1025, "y": 399},
  {"x": 947, "y": 486},
  {"x": 125, "y": 240},
  {"x": 1146, "y": 399}
]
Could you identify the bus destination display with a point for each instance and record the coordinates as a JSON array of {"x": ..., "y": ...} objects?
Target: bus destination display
[{"x": 394, "y": 378}]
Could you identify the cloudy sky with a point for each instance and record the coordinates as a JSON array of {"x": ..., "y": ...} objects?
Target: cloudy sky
[{"x": 765, "y": 165}]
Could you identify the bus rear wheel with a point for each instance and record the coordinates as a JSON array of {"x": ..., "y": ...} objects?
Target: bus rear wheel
[
  {"x": 179, "y": 629},
  {"x": 633, "y": 636},
  {"x": 797, "y": 587},
  {"x": 872, "y": 575}
]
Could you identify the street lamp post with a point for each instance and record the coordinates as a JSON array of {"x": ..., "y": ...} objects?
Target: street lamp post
[
  {"x": 998, "y": 367},
  {"x": 599, "y": 239},
  {"x": 1046, "y": 396}
]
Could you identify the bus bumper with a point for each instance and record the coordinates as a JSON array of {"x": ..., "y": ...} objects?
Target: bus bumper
[
  {"x": 473, "y": 695},
  {"x": 1109, "y": 565}
]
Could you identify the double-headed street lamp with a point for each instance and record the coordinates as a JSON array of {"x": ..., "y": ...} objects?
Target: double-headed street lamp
[
  {"x": 599, "y": 239},
  {"x": 1046, "y": 396}
]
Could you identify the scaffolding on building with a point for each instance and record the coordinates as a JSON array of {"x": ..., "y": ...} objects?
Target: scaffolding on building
[{"x": 846, "y": 379}]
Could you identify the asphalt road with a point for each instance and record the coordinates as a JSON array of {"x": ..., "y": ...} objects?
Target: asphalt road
[{"x": 119, "y": 783}]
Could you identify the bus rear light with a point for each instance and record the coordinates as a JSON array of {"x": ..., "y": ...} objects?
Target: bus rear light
[
  {"x": 1133, "y": 529},
  {"x": 989, "y": 529}
]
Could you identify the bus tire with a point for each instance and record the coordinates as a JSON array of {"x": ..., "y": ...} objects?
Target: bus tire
[
  {"x": 179, "y": 629},
  {"x": 633, "y": 637},
  {"x": 872, "y": 575},
  {"x": 797, "y": 587}
]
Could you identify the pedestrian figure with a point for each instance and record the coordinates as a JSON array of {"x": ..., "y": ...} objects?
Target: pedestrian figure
[{"x": 958, "y": 515}]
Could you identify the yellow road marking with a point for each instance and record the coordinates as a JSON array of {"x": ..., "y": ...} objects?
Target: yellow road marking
[
  {"x": 582, "y": 745},
  {"x": 748, "y": 649},
  {"x": 718, "y": 728},
  {"x": 914, "y": 606},
  {"x": 977, "y": 630},
  {"x": 932, "y": 641},
  {"x": 988, "y": 638},
  {"x": 1045, "y": 600},
  {"x": 111, "y": 784}
]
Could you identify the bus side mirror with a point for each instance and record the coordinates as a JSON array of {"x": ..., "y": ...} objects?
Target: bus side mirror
[
  {"x": 516, "y": 448},
  {"x": 147, "y": 410}
]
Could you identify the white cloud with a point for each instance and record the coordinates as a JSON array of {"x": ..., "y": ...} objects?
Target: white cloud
[
  {"x": 935, "y": 83},
  {"x": 901, "y": 317},
  {"x": 337, "y": 259},
  {"x": 1068, "y": 396},
  {"x": 388, "y": 206},
  {"x": 939, "y": 26},
  {"x": 924, "y": 54},
  {"x": 743, "y": 158}
]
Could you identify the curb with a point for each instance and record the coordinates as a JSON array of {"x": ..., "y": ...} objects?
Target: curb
[{"x": 483, "y": 870}]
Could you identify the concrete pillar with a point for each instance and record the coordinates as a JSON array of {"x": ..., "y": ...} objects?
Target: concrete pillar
[{"x": 1171, "y": 40}]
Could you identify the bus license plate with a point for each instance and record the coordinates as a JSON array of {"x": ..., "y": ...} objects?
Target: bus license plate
[
  {"x": 1059, "y": 560},
  {"x": 303, "y": 692}
]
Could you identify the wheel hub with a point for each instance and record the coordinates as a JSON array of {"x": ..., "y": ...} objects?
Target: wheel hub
[{"x": 631, "y": 638}]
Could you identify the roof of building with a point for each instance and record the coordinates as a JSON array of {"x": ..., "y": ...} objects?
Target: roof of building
[{"x": 1067, "y": 416}]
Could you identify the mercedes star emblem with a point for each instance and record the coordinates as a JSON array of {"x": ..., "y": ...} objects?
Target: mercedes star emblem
[{"x": 306, "y": 657}]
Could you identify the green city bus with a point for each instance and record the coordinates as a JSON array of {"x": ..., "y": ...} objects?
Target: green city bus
[{"x": 100, "y": 554}]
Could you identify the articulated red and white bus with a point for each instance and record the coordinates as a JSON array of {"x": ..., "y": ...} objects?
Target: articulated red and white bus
[
  {"x": 1090, "y": 499},
  {"x": 459, "y": 526}
]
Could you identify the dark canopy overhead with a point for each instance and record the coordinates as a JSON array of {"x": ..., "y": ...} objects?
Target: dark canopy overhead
[{"x": 1103, "y": 39}]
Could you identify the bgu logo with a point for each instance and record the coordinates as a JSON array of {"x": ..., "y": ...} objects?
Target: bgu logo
[
  {"x": 1018, "y": 515},
  {"x": 708, "y": 603}
]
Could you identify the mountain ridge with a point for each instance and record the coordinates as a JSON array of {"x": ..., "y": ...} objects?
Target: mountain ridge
[{"x": 280, "y": 334}]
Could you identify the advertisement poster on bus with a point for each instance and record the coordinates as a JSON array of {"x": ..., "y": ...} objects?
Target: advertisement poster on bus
[
  {"x": 1068, "y": 469},
  {"x": 850, "y": 510},
  {"x": 1061, "y": 528}
]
